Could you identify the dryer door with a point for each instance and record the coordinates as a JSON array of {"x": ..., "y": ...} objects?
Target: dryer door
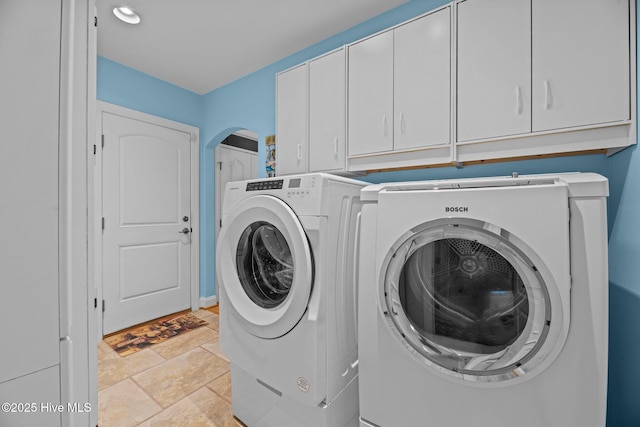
[
  {"x": 469, "y": 299},
  {"x": 265, "y": 265}
]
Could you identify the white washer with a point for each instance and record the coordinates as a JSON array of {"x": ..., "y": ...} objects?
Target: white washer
[
  {"x": 483, "y": 302},
  {"x": 285, "y": 265}
]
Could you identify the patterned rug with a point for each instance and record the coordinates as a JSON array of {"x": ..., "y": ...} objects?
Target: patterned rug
[{"x": 139, "y": 337}]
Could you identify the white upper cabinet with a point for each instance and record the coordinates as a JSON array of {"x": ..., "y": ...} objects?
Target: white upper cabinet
[
  {"x": 400, "y": 87},
  {"x": 580, "y": 62},
  {"x": 474, "y": 80},
  {"x": 538, "y": 68},
  {"x": 311, "y": 116},
  {"x": 291, "y": 122},
  {"x": 422, "y": 82},
  {"x": 327, "y": 112},
  {"x": 494, "y": 68},
  {"x": 371, "y": 95}
]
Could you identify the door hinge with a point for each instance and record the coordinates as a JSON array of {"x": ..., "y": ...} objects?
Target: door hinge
[
  {"x": 103, "y": 141},
  {"x": 220, "y": 165},
  {"x": 102, "y": 223},
  {"x": 95, "y": 303},
  {"x": 103, "y": 306},
  {"x": 95, "y": 21},
  {"x": 94, "y": 149},
  {"x": 220, "y": 223}
]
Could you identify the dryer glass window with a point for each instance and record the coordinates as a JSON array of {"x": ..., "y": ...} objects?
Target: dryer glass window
[
  {"x": 463, "y": 294},
  {"x": 264, "y": 264},
  {"x": 467, "y": 300}
]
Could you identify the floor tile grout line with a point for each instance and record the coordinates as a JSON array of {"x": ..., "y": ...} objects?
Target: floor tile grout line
[
  {"x": 167, "y": 359},
  {"x": 147, "y": 393},
  {"x": 135, "y": 383},
  {"x": 188, "y": 396}
]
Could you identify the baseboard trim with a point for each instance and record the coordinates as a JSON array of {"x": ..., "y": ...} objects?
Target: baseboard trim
[{"x": 208, "y": 301}]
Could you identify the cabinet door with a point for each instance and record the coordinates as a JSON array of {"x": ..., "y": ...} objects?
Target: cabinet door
[
  {"x": 40, "y": 388},
  {"x": 494, "y": 68},
  {"x": 291, "y": 123},
  {"x": 29, "y": 179},
  {"x": 370, "y": 120},
  {"x": 422, "y": 81},
  {"x": 327, "y": 112},
  {"x": 580, "y": 62}
]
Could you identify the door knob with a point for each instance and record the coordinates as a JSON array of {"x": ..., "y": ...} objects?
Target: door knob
[{"x": 184, "y": 231}]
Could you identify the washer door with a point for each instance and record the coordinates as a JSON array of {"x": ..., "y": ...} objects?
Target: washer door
[
  {"x": 265, "y": 265},
  {"x": 467, "y": 299}
]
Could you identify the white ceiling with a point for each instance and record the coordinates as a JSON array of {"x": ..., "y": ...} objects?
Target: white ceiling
[{"x": 201, "y": 45}]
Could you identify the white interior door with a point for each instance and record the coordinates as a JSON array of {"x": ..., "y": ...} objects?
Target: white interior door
[
  {"x": 147, "y": 221},
  {"x": 232, "y": 164}
]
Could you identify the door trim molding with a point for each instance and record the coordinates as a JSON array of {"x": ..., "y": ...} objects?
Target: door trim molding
[
  {"x": 219, "y": 192},
  {"x": 95, "y": 196}
]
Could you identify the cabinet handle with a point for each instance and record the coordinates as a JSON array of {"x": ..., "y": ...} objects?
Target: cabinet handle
[
  {"x": 547, "y": 95},
  {"x": 518, "y": 101},
  {"x": 402, "y": 125},
  {"x": 299, "y": 155},
  {"x": 335, "y": 146},
  {"x": 384, "y": 124}
]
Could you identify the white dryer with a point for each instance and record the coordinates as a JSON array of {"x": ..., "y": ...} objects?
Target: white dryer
[
  {"x": 285, "y": 266},
  {"x": 483, "y": 302}
]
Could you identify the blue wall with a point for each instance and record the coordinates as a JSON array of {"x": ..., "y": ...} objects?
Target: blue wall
[
  {"x": 130, "y": 88},
  {"x": 249, "y": 103}
]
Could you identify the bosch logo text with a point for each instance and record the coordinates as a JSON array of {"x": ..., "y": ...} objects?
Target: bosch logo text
[{"x": 456, "y": 209}]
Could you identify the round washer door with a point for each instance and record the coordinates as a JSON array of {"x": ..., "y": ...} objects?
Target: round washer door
[
  {"x": 471, "y": 301},
  {"x": 266, "y": 266}
]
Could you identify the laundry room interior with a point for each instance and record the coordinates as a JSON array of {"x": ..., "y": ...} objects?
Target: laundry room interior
[
  {"x": 250, "y": 103},
  {"x": 250, "y": 109}
]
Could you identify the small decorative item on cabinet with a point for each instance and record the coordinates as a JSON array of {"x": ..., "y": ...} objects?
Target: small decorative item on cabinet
[{"x": 270, "y": 163}]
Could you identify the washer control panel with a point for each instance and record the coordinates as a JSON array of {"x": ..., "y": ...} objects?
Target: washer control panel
[
  {"x": 290, "y": 187},
  {"x": 300, "y": 187},
  {"x": 272, "y": 184}
]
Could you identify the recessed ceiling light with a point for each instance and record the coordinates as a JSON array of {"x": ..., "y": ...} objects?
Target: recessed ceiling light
[{"x": 127, "y": 15}]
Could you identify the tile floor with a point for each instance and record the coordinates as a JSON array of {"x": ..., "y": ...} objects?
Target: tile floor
[{"x": 184, "y": 381}]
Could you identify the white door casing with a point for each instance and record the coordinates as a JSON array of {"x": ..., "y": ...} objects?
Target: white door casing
[{"x": 147, "y": 185}]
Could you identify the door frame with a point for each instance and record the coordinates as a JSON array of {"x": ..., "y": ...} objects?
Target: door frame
[
  {"x": 219, "y": 192},
  {"x": 95, "y": 197}
]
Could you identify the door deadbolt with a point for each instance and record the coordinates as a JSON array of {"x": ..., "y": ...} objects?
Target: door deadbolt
[{"x": 185, "y": 218}]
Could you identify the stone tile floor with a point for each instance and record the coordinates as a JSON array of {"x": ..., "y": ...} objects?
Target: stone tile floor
[{"x": 184, "y": 381}]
